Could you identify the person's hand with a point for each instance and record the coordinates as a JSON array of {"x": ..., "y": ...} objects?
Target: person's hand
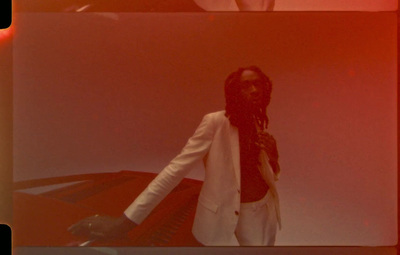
[
  {"x": 100, "y": 227},
  {"x": 268, "y": 143}
]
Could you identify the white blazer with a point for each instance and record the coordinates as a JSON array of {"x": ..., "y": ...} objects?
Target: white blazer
[{"x": 216, "y": 142}]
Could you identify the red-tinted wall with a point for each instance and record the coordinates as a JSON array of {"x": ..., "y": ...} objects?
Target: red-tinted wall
[{"x": 107, "y": 92}]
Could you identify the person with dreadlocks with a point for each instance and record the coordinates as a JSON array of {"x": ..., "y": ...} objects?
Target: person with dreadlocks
[{"x": 238, "y": 203}]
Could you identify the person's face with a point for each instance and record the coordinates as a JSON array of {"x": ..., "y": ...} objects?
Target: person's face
[{"x": 251, "y": 88}]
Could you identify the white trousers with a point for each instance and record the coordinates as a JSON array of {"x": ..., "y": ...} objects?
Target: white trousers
[{"x": 257, "y": 225}]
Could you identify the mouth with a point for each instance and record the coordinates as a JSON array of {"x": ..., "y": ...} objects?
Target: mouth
[{"x": 256, "y": 100}]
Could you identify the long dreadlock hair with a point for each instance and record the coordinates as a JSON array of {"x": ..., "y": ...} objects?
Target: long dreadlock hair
[
  {"x": 241, "y": 116},
  {"x": 235, "y": 108}
]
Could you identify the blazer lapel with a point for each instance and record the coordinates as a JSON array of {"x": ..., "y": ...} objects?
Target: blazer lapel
[{"x": 234, "y": 142}]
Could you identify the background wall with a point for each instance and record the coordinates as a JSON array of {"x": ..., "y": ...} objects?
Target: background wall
[{"x": 108, "y": 92}]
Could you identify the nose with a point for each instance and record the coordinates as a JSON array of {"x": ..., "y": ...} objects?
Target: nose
[{"x": 254, "y": 90}]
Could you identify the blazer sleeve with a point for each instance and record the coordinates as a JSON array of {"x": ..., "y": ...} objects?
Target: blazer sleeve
[{"x": 194, "y": 150}]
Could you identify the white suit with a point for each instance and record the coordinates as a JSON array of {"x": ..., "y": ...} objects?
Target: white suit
[{"x": 216, "y": 142}]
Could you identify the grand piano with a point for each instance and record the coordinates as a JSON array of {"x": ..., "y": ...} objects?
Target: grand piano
[{"x": 45, "y": 208}]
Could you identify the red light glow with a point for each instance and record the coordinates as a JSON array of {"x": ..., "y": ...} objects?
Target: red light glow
[{"x": 6, "y": 33}]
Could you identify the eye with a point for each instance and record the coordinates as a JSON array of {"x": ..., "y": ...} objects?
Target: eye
[
  {"x": 258, "y": 83},
  {"x": 246, "y": 84}
]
